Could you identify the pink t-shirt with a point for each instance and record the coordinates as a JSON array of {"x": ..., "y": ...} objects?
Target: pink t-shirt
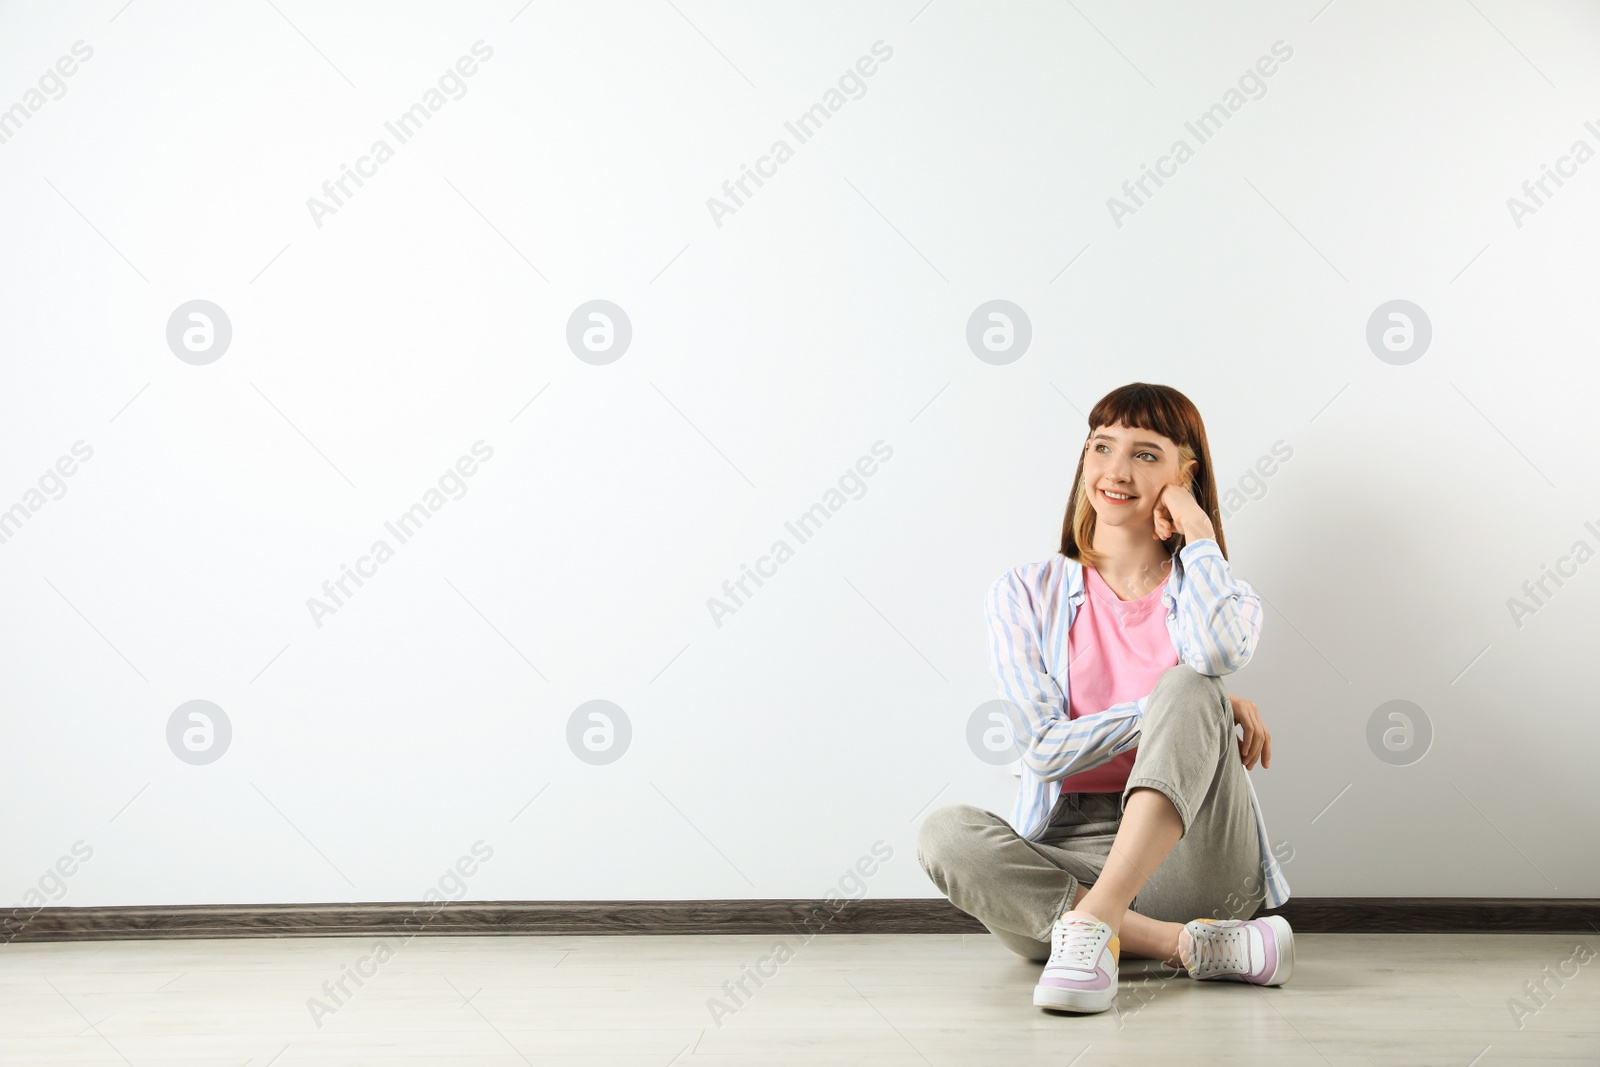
[{"x": 1116, "y": 651}]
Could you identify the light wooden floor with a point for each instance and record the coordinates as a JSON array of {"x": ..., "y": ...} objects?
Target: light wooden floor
[{"x": 885, "y": 1000}]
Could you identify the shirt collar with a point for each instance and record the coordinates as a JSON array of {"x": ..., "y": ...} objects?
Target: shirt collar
[{"x": 1076, "y": 589}]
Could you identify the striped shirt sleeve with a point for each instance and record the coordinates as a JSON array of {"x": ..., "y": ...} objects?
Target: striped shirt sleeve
[
  {"x": 1219, "y": 616},
  {"x": 1050, "y": 743}
]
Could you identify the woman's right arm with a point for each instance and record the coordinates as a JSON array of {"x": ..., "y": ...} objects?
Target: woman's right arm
[{"x": 1050, "y": 743}]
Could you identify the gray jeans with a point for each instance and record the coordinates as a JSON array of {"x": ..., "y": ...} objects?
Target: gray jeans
[{"x": 1188, "y": 751}]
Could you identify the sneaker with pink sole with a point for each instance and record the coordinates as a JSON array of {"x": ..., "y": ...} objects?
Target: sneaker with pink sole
[
  {"x": 1258, "y": 951},
  {"x": 1081, "y": 974}
]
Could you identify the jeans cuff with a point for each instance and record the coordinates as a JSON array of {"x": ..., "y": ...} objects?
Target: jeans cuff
[
  {"x": 1062, "y": 908},
  {"x": 1165, "y": 789}
]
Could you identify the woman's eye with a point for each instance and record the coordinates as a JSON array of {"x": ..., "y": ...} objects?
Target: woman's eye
[{"x": 1152, "y": 455}]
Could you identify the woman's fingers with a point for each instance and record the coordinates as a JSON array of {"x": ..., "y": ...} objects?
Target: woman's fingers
[
  {"x": 1251, "y": 746},
  {"x": 1255, "y": 744},
  {"x": 1260, "y": 745}
]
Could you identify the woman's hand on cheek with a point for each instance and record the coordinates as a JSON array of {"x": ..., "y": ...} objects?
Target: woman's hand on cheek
[
  {"x": 1177, "y": 511},
  {"x": 1166, "y": 522}
]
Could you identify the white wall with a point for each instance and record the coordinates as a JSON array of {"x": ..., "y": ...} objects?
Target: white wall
[{"x": 828, "y": 312}]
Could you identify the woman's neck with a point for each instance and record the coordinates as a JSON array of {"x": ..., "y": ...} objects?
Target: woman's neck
[{"x": 1133, "y": 562}]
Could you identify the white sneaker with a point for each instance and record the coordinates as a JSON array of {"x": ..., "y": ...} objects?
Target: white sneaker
[
  {"x": 1258, "y": 951},
  {"x": 1082, "y": 972}
]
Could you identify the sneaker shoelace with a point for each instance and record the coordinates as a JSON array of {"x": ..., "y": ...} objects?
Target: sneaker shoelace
[
  {"x": 1221, "y": 952},
  {"x": 1075, "y": 944}
]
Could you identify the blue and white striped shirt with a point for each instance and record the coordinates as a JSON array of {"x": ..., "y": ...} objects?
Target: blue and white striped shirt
[{"x": 1214, "y": 620}]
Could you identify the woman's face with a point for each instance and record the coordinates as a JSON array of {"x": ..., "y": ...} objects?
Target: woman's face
[{"x": 1129, "y": 462}]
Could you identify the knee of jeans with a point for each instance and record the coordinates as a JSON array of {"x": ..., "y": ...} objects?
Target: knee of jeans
[
  {"x": 942, "y": 828},
  {"x": 1183, "y": 685}
]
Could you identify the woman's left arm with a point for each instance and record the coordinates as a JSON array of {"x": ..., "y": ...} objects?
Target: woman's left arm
[{"x": 1219, "y": 616}]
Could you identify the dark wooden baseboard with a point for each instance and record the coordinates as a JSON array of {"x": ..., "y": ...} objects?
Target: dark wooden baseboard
[{"x": 1312, "y": 915}]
